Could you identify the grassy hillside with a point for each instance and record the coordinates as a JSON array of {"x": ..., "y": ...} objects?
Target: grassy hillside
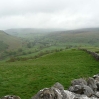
[
  {"x": 9, "y": 42},
  {"x": 74, "y": 37},
  {"x": 87, "y": 36},
  {"x": 40, "y": 40},
  {"x": 58, "y": 38},
  {"x": 25, "y": 78}
]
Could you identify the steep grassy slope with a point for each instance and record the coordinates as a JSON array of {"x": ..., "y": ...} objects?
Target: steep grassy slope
[
  {"x": 9, "y": 41},
  {"x": 25, "y": 78}
]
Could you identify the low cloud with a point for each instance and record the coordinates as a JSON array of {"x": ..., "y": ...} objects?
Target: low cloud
[{"x": 68, "y": 14}]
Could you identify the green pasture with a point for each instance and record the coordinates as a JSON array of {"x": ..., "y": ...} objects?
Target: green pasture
[{"x": 26, "y": 78}]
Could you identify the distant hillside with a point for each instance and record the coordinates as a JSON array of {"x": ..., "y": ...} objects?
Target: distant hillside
[
  {"x": 89, "y": 36},
  {"x": 9, "y": 42},
  {"x": 30, "y": 32},
  {"x": 45, "y": 40},
  {"x": 85, "y": 36}
]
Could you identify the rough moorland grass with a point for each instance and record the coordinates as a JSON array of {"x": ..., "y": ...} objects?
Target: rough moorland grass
[{"x": 27, "y": 77}]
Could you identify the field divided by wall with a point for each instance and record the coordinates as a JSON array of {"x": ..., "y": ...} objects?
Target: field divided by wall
[{"x": 25, "y": 78}]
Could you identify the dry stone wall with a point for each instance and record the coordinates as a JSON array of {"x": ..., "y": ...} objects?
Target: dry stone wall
[{"x": 95, "y": 55}]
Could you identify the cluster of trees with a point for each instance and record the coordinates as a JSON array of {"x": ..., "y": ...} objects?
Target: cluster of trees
[
  {"x": 6, "y": 53},
  {"x": 31, "y": 47},
  {"x": 40, "y": 44}
]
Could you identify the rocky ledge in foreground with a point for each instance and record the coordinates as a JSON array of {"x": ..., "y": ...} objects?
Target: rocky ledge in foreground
[
  {"x": 79, "y": 89},
  {"x": 10, "y": 97}
]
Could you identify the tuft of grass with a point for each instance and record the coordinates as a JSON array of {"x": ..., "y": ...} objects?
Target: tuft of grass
[{"x": 26, "y": 78}]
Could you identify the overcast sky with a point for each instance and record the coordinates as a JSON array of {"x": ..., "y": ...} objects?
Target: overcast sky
[{"x": 68, "y": 14}]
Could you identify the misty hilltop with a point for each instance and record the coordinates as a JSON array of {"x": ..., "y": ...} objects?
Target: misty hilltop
[{"x": 84, "y": 36}]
